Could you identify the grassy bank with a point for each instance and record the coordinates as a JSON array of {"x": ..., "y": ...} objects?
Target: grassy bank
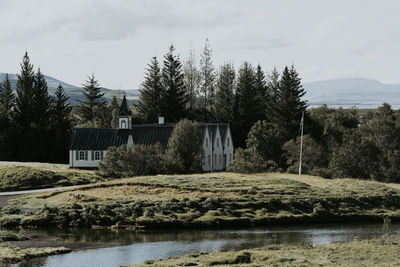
[
  {"x": 15, "y": 177},
  {"x": 206, "y": 200},
  {"x": 14, "y": 254},
  {"x": 376, "y": 252}
]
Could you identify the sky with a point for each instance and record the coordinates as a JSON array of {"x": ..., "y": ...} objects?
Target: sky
[{"x": 115, "y": 39}]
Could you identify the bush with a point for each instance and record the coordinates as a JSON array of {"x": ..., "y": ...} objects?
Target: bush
[
  {"x": 184, "y": 149},
  {"x": 132, "y": 160},
  {"x": 247, "y": 161}
]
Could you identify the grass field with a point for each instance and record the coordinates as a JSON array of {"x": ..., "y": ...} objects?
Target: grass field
[
  {"x": 375, "y": 252},
  {"x": 206, "y": 200},
  {"x": 16, "y": 176}
]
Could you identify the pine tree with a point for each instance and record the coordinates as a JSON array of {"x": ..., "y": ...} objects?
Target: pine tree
[
  {"x": 25, "y": 93},
  {"x": 262, "y": 96},
  {"x": 207, "y": 74},
  {"x": 61, "y": 125},
  {"x": 245, "y": 103},
  {"x": 41, "y": 102},
  {"x": 114, "y": 108},
  {"x": 273, "y": 84},
  {"x": 7, "y": 97},
  {"x": 174, "y": 98},
  {"x": 152, "y": 90},
  {"x": 93, "y": 98},
  {"x": 224, "y": 97},
  {"x": 192, "y": 82},
  {"x": 288, "y": 105}
]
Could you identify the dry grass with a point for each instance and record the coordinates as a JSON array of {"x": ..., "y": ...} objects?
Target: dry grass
[
  {"x": 207, "y": 200},
  {"x": 25, "y": 177},
  {"x": 13, "y": 254},
  {"x": 376, "y": 252}
]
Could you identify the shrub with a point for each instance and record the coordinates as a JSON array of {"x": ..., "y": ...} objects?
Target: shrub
[
  {"x": 248, "y": 161},
  {"x": 132, "y": 160},
  {"x": 184, "y": 148}
]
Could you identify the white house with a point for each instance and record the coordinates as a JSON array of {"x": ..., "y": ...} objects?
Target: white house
[{"x": 89, "y": 145}]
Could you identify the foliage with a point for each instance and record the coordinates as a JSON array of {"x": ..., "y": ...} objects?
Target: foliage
[
  {"x": 132, "y": 160},
  {"x": 174, "y": 97},
  {"x": 248, "y": 161},
  {"x": 192, "y": 82},
  {"x": 265, "y": 138},
  {"x": 223, "y": 108},
  {"x": 93, "y": 98},
  {"x": 184, "y": 148},
  {"x": 151, "y": 92},
  {"x": 7, "y": 97},
  {"x": 207, "y": 82},
  {"x": 245, "y": 104}
]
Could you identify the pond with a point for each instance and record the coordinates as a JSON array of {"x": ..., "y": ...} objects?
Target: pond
[{"x": 131, "y": 247}]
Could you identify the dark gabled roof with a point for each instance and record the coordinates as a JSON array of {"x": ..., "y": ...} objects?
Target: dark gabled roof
[
  {"x": 124, "y": 109},
  {"x": 146, "y": 134},
  {"x": 152, "y": 134},
  {"x": 102, "y": 139},
  {"x": 97, "y": 139},
  {"x": 223, "y": 129}
]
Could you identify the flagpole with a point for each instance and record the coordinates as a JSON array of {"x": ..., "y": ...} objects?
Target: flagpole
[{"x": 301, "y": 141}]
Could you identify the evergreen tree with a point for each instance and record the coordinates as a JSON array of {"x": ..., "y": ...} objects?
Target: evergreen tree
[
  {"x": 152, "y": 90},
  {"x": 25, "y": 93},
  {"x": 262, "y": 96},
  {"x": 93, "y": 98},
  {"x": 273, "y": 84},
  {"x": 174, "y": 98},
  {"x": 207, "y": 74},
  {"x": 61, "y": 124},
  {"x": 40, "y": 102},
  {"x": 288, "y": 106},
  {"x": 224, "y": 97},
  {"x": 245, "y": 104},
  {"x": 7, "y": 97},
  {"x": 114, "y": 108},
  {"x": 192, "y": 82}
]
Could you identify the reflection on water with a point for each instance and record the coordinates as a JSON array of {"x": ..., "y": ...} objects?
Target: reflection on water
[{"x": 138, "y": 247}]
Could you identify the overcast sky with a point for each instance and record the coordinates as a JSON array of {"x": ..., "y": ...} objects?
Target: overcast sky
[{"x": 116, "y": 39}]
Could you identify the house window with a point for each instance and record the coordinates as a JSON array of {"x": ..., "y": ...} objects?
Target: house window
[
  {"x": 206, "y": 142},
  {"x": 81, "y": 155},
  {"x": 209, "y": 159},
  {"x": 97, "y": 155},
  {"x": 220, "y": 158},
  {"x": 123, "y": 124},
  {"x": 228, "y": 141},
  {"x": 217, "y": 142},
  {"x": 215, "y": 159}
]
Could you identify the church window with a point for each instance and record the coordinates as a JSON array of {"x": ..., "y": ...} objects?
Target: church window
[
  {"x": 97, "y": 155},
  {"x": 206, "y": 142},
  {"x": 228, "y": 141},
  {"x": 217, "y": 142},
  {"x": 215, "y": 159},
  {"x": 209, "y": 159},
  {"x": 123, "y": 124},
  {"x": 220, "y": 158},
  {"x": 81, "y": 155}
]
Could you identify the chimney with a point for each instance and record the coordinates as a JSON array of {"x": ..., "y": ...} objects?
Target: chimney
[{"x": 160, "y": 120}]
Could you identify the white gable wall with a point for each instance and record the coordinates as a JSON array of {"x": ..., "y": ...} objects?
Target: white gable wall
[
  {"x": 207, "y": 147},
  {"x": 228, "y": 147},
  {"x": 218, "y": 152},
  {"x": 89, "y": 160}
]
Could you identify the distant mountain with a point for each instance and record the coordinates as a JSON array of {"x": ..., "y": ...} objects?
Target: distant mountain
[
  {"x": 359, "y": 92},
  {"x": 75, "y": 92}
]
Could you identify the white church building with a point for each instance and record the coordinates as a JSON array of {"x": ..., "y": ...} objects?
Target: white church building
[{"x": 89, "y": 145}]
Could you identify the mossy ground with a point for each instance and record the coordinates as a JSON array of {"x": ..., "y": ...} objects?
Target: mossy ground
[
  {"x": 14, "y": 254},
  {"x": 206, "y": 200},
  {"x": 376, "y": 252},
  {"x": 25, "y": 177}
]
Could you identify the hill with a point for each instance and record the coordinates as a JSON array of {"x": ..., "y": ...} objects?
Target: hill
[
  {"x": 359, "y": 92},
  {"x": 75, "y": 92}
]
